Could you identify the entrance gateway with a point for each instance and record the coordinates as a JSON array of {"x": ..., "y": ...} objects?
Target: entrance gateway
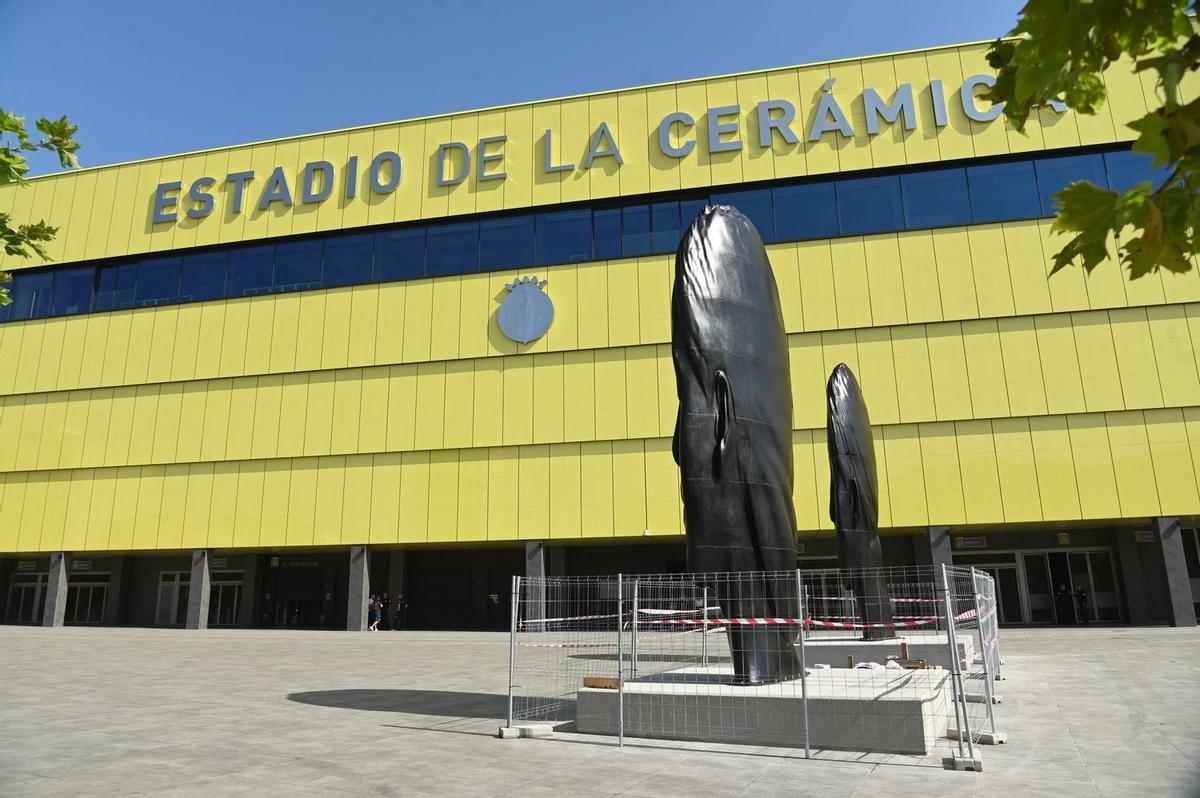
[{"x": 1027, "y": 580}]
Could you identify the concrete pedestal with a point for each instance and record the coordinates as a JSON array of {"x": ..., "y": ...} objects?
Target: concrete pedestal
[{"x": 886, "y": 711}]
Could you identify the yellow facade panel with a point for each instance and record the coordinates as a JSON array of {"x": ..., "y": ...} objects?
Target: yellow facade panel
[
  {"x": 1017, "y": 469},
  {"x": 1133, "y": 464},
  {"x": 1174, "y": 472},
  {"x": 533, "y": 505}
]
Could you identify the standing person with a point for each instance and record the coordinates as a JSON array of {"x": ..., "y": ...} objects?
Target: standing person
[
  {"x": 386, "y": 612},
  {"x": 1064, "y": 605},
  {"x": 401, "y": 611},
  {"x": 1081, "y": 601}
]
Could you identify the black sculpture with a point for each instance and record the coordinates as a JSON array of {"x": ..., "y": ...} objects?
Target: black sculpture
[
  {"x": 854, "y": 500},
  {"x": 733, "y": 435}
]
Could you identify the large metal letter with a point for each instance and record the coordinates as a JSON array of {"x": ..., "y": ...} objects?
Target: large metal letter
[
  {"x": 664, "y": 135},
  {"x": 198, "y": 193},
  {"x": 605, "y": 136},
  {"x": 767, "y": 123},
  {"x": 902, "y": 102},
  {"x": 547, "y": 160},
  {"x": 442, "y": 150},
  {"x": 239, "y": 181},
  {"x": 389, "y": 157},
  {"x": 484, "y": 158},
  {"x": 307, "y": 195},
  {"x": 967, "y": 95},
  {"x": 164, "y": 205},
  {"x": 276, "y": 190},
  {"x": 717, "y": 128}
]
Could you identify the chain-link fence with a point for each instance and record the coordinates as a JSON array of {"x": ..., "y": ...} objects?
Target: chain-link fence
[{"x": 896, "y": 660}]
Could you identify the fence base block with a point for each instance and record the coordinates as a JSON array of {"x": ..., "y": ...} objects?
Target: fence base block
[
  {"x": 983, "y": 738},
  {"x": 963, "y": 763},
  {"x": 532, "y": 730}
]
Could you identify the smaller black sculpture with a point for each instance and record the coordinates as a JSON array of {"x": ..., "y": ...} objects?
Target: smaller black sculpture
[{"x": 854, "y": 500}]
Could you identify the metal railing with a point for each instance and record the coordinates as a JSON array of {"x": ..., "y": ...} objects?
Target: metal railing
[{"x": 897, "y": 660}]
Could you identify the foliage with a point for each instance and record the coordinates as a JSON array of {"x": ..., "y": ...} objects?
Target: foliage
[
  {"x": 58, "y": 136},
  {"x": 1060, "y": 51}
]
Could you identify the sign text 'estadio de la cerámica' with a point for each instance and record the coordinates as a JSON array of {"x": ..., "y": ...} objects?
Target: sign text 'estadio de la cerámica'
[{"x": 676, "y": 138}]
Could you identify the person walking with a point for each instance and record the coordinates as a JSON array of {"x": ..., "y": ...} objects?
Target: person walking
[
  {"x": 1081, "y": 601},
  {"x": 375, "y": 612}
]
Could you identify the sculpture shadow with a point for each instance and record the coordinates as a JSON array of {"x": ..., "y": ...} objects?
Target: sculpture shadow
[{"x": 443, "y": 703}]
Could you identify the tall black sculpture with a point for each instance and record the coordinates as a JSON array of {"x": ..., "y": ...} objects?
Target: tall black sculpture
[
  {"x": 733, "y": 435},
  {"x": 854, "y": 499}
]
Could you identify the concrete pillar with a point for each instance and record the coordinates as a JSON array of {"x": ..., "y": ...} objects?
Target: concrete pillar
[
  {"x": 199, "y": 589},
  {"x": 1181, "y": 611},
  {"x": 933, "y": 548},
  {"x": 54, "y": 610},
  {"x": 398, "y": 587},
  {"x": 534, "y": 593},
  {"x": 357, "y": 616}
]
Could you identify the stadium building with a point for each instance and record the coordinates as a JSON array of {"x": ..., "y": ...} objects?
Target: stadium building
[{"x": 256, "y": 383}]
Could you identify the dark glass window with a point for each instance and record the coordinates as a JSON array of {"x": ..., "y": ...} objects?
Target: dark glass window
[
  {"x": 1003, "y": 191},
  {"x": 114, "y": 287},
  {"x": 689, "y": 210},
  {"x": 606, "y": 233},
  {"x": 506, "y": 243},
  {"x": 564, "y": 236},
  {"x": 348, "y": 259},
  {"x": 664, "y": 226},
  {"x": 1055, "y": 174},
  {"x": 30, "y": 293},
  {"x": 452, "y": 249},
  {"x": 73, "y": 291},
  {"x": 298, "y": 265},
  {"x": 635, "y": 230},
  {"x": 805, "y": 212},
  {"x": 202, "y": 276},
  {"x": 157, "y": 281},
  {"x": 400, "y": 254},
  {"x": 937, "y": 198},
  {"x": 1127, "y": 169},
  {"x": 756, "y": 206},
  {"x": 869, "y": 205},
  {"x": 249, "y": 271}
]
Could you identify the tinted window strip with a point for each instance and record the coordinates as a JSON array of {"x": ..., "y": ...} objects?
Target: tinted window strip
[{"x": 868, "y": 203}]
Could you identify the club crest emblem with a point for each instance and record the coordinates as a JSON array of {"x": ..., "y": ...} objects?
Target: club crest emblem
[{"x": 527, "y": 312}]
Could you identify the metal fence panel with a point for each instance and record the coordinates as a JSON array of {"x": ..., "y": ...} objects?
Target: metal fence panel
[{"x": 718, "y": 657}]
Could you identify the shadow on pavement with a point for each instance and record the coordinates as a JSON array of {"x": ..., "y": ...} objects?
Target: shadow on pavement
[{"x": 416, "y": 702}]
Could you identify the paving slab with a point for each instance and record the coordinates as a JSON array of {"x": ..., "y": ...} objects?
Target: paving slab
[{"x": 113, "y": 712}]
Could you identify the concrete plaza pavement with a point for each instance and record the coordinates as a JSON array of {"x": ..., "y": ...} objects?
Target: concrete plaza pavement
[{"x": 109, "y": 711}]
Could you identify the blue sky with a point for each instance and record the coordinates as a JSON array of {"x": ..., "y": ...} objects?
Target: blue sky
[{"x": 143, "y": 79}]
